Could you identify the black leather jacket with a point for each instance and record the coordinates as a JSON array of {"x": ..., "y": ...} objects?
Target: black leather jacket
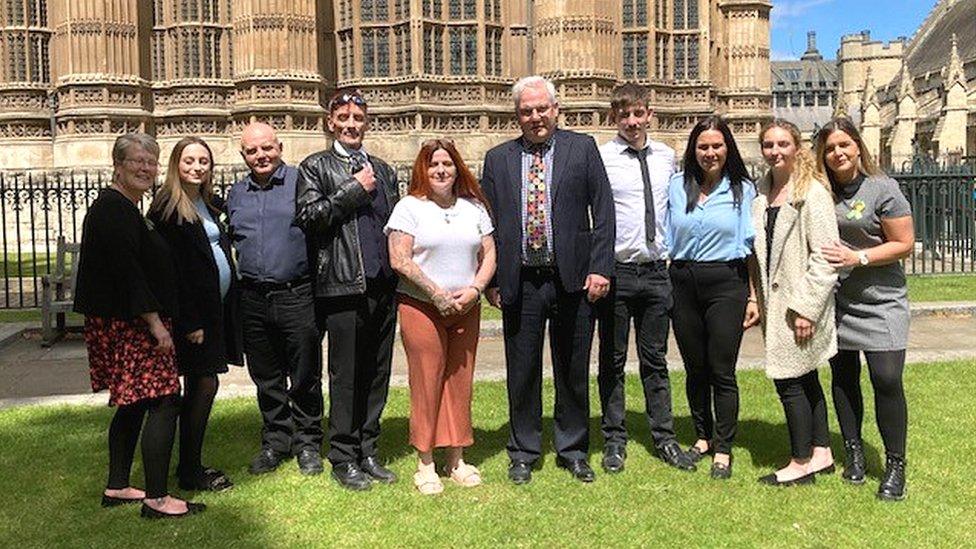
[{"x": 327, "y": 199}]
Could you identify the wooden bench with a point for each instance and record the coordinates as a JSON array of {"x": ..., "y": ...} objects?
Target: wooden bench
[{"x": 58, "y": 292}]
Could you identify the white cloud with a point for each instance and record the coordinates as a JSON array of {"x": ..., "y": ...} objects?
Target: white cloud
[
  {"x": 788, "y": 9},
  {"x": 782, "y": 56}
]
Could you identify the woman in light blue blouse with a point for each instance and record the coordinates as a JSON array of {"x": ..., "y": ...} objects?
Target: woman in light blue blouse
[{"x": 710, "y": 236}]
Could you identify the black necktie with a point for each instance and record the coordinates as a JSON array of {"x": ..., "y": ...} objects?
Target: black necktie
[{"x": 649, "y": 222}]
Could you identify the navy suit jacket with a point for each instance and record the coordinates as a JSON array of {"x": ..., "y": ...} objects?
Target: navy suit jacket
[{"x": 583, "y": 225}]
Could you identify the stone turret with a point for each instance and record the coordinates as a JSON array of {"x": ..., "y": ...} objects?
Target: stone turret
[
  {"x": 903, "y": 134},
  {"x": 951, "y": 132},
  {"x": 870, "y": 116}
]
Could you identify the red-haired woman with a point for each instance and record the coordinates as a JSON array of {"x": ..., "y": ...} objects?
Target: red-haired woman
[{"x": 441, "y": 246}]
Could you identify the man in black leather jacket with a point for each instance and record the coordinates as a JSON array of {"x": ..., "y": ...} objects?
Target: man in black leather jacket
[{"x": 345, "y": 197}]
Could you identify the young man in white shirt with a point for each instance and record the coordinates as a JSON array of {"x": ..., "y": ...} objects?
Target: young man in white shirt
[{"x": 641, "y": 289}]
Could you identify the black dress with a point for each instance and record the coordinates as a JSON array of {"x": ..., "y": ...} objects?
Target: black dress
[{"x": 200, "y": 303}]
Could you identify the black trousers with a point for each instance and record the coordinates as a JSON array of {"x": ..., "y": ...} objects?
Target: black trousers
[
  {"x": 806, "y": 413},
  {"x": 284, "y": 358},
  {"x": 709, "y": 307},
  {"x": 642, "y": 294},
  {"x": 360, "y": 330},
  {"x": 890, "y": 407},
  {"x": 570, "y": 319},
  {"x": 157, "y": 442}
]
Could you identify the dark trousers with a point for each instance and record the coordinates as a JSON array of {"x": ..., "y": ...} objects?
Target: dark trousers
[
  {"x": 890, "y": 407},
  {"x": 283, "y": 345},
  {"x": 642, "y": 294},
  {"x": 570, "y": 319},
  {"x": 709, "y": 307},
  {"x": 157, "y": 442},
  {"x": 360, "y": 330},
  {"x": 806, "y": 413}
]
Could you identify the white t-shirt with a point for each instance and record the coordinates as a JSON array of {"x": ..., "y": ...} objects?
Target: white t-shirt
[{"x": 446, "y": 241}]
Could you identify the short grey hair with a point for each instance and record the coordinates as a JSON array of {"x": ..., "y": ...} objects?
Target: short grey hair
[
  {"x": 125, "y": 142},
  {"x": 533, "y": 81}
]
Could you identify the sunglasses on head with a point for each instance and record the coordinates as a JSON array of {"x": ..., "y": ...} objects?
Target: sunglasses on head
[{"x": 345, "y": 99}]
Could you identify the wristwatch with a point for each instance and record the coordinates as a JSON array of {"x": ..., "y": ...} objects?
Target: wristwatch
[{"x": 862, "y": 258}]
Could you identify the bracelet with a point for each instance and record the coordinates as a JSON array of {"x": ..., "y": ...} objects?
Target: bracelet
[
  {"x": 752, "y": 300},
  {"x": 477, "y": 289}
]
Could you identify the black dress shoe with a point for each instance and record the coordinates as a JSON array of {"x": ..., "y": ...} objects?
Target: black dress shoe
[
  {"x": 310, "y": 461},
  {"x": 771, "y": 480},
  {"x": 350, "y": 476},
  {"x": 613, "y": 458},
  {"x": 721, "y": 471},
  {"x": 579, "y": 468},
  {"x": 372, "y": 467},
  {"x": 109, "y": 501},
  {"x": 266, "y": 461},
  {"x": 191, "y": 509},
  {"x": 855, "y": 466},
  {"x": 671, "y": 454},
  {"x": 207, "y": 480},
  {"x": 520, "y": 472},
  {"x": 893, "y": 483}
]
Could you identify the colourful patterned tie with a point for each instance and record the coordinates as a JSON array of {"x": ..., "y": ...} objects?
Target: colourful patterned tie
[{"x": 536, "y": 249}]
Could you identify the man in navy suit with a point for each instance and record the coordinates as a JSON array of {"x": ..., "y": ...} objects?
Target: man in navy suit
[{"x": 554, "y": 233}]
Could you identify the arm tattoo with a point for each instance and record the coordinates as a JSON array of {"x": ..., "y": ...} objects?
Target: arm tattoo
[{"x": 401, "y": 259}]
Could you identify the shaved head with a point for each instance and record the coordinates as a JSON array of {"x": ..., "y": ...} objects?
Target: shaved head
[{"x": 261, "y": 150}]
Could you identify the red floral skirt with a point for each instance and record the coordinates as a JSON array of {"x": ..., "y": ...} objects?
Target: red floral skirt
[{"x": 123, "y": 359}]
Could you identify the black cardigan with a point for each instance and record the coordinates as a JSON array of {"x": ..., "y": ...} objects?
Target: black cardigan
[
  {"x": 125, "y": 268},
  {"x": 198, "y": 283}
]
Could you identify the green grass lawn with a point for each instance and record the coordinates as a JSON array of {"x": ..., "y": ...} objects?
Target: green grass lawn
[
  {"x": 54, "y": 462},
  {"x": 942, "y": 287}
]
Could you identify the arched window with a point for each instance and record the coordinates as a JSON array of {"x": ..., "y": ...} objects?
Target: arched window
[{"x": 24, "y": 41}]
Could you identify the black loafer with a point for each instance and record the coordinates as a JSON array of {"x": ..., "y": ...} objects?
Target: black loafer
[
  {"x": 309, "y": 461},
  {"x": 350, "y": 476},
  {"x": 696, "y": 455},
  {"x": 614, "y": 456},
  {"x": 771, "y": 480},
  {"x": 209, "y": 480},
  {"x": 109, "y": 501},
  {"x": 579, "y": 468},
  {"x": 266, "y": 461},
  {"x": 721, "y": 471},
  {"x": 375, "y": 470},
  {"x": 671, "y": 454},
  {"x": 191, "y": 509},
  {"x": 520, "y": 472}
]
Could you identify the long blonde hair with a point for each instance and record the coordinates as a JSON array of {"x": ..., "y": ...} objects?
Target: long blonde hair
[
  {"x": 804, "y": 168},
  {"x": 171, "y": 198},
  {"x": 866, "y": 164}
]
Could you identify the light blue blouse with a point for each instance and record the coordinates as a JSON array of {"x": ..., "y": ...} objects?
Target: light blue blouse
[
  {"x": 213, "y": 236},
  {"x": 716, "y": 230}
]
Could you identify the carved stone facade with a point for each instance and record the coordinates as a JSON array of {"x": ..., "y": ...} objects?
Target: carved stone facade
[
  {"x": 92, "y": 69},
  {"x": 915, "y": 96}
]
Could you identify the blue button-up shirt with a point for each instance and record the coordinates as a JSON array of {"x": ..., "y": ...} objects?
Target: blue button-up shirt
[
  {"x": 261, "y": 224},
  {"x": 714, "y": 230}
]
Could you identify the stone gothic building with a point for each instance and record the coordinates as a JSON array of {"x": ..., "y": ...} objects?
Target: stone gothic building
[
  {"x": 915, "y": 96},
  {"x": 76, "y": 73}
]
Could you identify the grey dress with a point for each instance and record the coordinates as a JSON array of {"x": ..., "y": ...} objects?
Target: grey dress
[{"x": 872, "y": 301}]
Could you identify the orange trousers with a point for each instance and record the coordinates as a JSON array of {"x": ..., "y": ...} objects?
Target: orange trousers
[{"x": 440, "y": 364}]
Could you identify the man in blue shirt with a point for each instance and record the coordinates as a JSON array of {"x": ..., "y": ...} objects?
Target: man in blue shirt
[{"x": 281, "y": 340}]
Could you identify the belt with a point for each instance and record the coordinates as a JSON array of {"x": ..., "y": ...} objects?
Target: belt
[
  {"x": 268, "y": 286},
  {"x": 686, "y": 263},
  {"x": 539, "y": 272},
  {"x": 656, "y": 264}
]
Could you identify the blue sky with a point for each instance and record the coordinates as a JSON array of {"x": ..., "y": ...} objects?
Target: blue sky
[{"x": 831, "y": 19}]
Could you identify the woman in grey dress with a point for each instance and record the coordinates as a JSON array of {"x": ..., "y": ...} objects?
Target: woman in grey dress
[{"x": 876, "y": 231}]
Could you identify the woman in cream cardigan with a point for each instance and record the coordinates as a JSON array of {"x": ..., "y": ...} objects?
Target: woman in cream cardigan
[{"x": 793, "y": 215}]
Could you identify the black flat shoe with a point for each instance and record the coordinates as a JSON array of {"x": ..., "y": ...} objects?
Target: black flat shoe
[
  {"x": 375, "y": 470},
  {"x": 309, "y": 462},
  {"x": 771, "y": 480},
  {"x": 266, "y": 461},
  {"x": 828, "y": 470},
  {"x": 671, "y": 454},
  {"x": 210, "y": 480},
  {"x": 721, "y": 471},
  {"x": 893, "y": 485},
  {"x": 614, "y": 456},
  {"x": 579, "y": 468},
  {"x": 191, "y": 509},
  {"x": 109, "y": 501},
  {"x": 855, "y": 465},
  {"x": 696, "y": 455},
  {"x": 520, "y": 472},
  {"x": 351, "y": 477}
]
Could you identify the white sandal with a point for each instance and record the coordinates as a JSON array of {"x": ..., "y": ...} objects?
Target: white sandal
[
  {"x": 428, "y": 483},
  {"x": 465, "y": 475}
]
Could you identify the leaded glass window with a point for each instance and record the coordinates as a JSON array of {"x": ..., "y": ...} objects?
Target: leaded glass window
[
  {"x": 679, "y": 58},
  {"x": 660, "y": 14},
  {"x": 402, "y": 9},
  {"x": 456, "y": 61},
  {"x": 663, "y": 71},
  {"x": 454, "y": 9},
  {"x": 470, "y": 52},
  {"x": 382, "y": 10},
  {"x": 383, "y": 52},
  {"x": 692, "y": 14},
  {"x": 679, "y": 15},
  {"x": 15, "y": 13},
  {"x": 366, "y": 9},
  {"x": 434, "y": 9},
  {"x": 628, "y": 18},
  {"x": 692, "y": 57},
  {"x": 433, "y": 49},
  {"x": 369, "y": 53}
]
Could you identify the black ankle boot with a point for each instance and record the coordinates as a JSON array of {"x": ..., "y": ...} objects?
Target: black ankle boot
[
  {"x": 893, "y": 482},
  {"x": 855, "y": 467}
]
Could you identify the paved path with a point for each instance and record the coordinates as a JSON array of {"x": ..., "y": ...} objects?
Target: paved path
[{"x": 31, "y": 374}]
